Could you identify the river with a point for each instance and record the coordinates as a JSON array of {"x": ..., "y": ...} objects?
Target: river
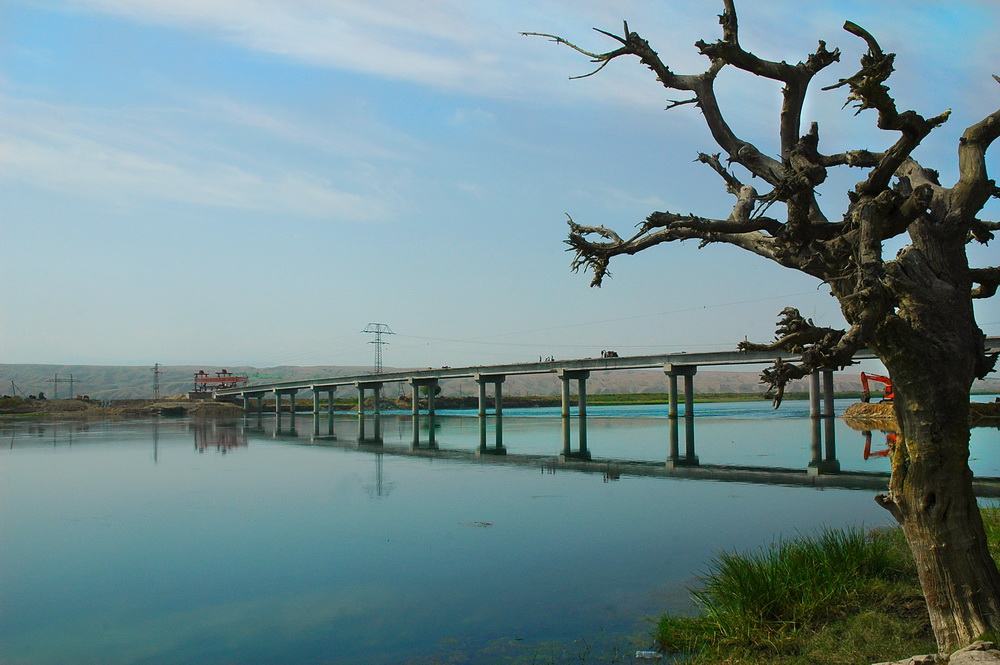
[{"x": 198, "y": 541}]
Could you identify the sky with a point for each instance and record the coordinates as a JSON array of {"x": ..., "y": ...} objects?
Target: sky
[{"x": 254, "y": 182}]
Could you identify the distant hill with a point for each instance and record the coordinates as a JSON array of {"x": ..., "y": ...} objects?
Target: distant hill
[{"x": 128, "y": 382}]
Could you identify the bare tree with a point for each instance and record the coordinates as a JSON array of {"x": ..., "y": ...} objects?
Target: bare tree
[{"x": 913, "y": 310}]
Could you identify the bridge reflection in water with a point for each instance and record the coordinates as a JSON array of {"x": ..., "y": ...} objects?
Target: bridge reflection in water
[{"x": 821, "y": 469}]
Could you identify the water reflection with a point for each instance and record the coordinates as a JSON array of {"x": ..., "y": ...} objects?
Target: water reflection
[
  {"x": 221, "y": 435},
  {"x": 890, "y": 443},
  {"x": 330, "y": 549}
]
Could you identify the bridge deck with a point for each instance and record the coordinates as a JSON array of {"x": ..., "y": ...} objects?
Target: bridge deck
[{"x": 714, "y": 358}]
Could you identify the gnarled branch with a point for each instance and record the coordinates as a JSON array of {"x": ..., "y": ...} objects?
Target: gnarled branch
[
  {"x": 819, "y": 348},
  {"x": 988, "y": 280}
]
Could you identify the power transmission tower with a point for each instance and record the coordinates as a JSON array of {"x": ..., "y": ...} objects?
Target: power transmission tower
[
  {"x": 57, "y": 381},
  {"x": 378, "y": 329},
  {"x": 156, "y": 381}
]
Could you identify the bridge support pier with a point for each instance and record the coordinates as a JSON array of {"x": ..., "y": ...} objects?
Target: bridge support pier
[
  {"x": 329, "y": 390},
  {"x": 329, "y": 411},
  {"x": 823, "y": 417},
  {"x": 497, "y": 381},
  {"x": 432, "y": 386},
  {"x": 315, "y": 413},
  {"x": 376, "y": 388},
  {"x": 581, "y": 377},
  {"x": 277, "y": 409},
  {"x": 674, "y": 458}
]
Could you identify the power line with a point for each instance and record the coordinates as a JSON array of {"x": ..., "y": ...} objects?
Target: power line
[{"x": 56, "y": 380}]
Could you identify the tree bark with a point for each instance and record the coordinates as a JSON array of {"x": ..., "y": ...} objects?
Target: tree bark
[
  {"x": 931, "y": 495},
  {"x": 930, "y": 349}
]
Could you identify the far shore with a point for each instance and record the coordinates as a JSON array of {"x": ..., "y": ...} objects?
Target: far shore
[{"x": 181, "y": 405}]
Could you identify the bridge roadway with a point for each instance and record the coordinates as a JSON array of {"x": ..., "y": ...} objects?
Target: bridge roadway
[{"x": 673, "y": 365}]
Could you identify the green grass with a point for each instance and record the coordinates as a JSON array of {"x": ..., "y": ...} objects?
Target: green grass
[{"x": 841, "y": 597}]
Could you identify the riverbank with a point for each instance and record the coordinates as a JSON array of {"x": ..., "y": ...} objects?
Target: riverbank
[
  {"x": 18, "y": 407},
  {"x": 840, "y": 597},
  {"x": 879, "y": 415}
]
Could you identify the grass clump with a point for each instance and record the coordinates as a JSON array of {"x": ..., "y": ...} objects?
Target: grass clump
[{"x": 841, "y": 596}]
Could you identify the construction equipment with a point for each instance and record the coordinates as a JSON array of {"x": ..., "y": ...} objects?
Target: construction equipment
[
  {"x": 204, "y": 383},
  {"x": 887, "y": 393}
]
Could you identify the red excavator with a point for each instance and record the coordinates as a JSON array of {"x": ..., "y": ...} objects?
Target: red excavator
[{"x": 887, "y": 393}]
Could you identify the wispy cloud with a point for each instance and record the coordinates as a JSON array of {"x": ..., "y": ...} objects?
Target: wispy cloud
[{"x": 103, "y": 157}]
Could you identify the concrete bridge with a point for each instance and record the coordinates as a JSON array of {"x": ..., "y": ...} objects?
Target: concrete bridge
[{"x": 674, "y": 365}]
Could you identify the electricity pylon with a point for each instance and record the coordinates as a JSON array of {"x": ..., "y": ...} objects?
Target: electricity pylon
[{"x": 378, "y": 329}]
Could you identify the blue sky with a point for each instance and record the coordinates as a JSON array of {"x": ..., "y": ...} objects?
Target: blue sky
[{"x": 252, "y": 182}]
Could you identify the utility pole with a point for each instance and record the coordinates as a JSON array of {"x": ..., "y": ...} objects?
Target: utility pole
[
  {"x": 57, "y": 381},
  {"x": 156, "y": 381},
  {"x": 378, "y": 329}
]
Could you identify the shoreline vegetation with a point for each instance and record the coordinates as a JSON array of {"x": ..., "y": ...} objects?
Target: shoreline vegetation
[{"x": 839, "y": 597}]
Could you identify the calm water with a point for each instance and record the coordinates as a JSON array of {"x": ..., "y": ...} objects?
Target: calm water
[{"x": 181, "y": 541}]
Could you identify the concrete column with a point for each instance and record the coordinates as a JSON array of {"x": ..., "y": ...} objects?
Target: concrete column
[
  {"x": 672, "y": 395},
  {"x": 378, "y": 411},
  {"x": 430, "y": 415},
  {"x": 415, "y": 412},
  {"x": 582, "y": 413},
  {"x": 246, "y": 405},
  {"x": 673, "y": 455},
  {"x": 361, "y": 412},
  {"x": 376, "y": 388},
  {"x": 814, "y": 410},
  {"x": 828, "y": 392},
  {"x": 431, "y": 385},
  {"x": 497, "y": 381},
  {"x": 329, "y": 411},
  {"x": 277, "y": 411},
  {"x": 581, "y": 377},
  {"x": 566, "y": 448},
  {"x": 829, "y": 421},
  {"x": 688, "y": 372},
  {"x": 498, "y": 394},
  {"x": 482, "y": 415},
  {"x": 315, "y": 412},
  {"x": 689, "y": 395},
  {"x": 291, "y": 418},
  {"x": 816, "y": 443}
]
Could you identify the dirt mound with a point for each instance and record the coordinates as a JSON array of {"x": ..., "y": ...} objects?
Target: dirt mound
[{"x": 880, "y": 414}]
